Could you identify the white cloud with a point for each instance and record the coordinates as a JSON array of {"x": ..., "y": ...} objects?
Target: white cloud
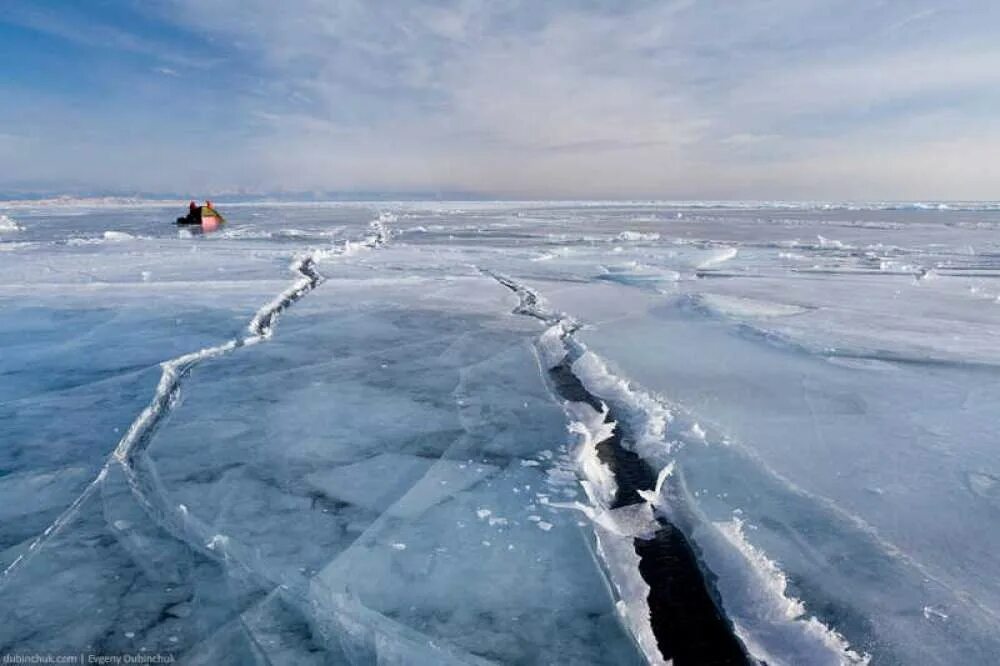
[
  {"x": 772, "y": 98},
  {"x": 827, "y": 85}
]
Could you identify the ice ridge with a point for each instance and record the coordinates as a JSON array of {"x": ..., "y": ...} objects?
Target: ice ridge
[{"x": 137, "y": 437}]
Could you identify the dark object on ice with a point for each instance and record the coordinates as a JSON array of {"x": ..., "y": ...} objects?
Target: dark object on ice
[{"x": 205, "y": 215}]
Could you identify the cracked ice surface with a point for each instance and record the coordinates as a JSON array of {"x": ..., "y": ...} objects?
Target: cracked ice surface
[
  {"x": 388, "y": 477},
  {"x": 361, "y": 488}
]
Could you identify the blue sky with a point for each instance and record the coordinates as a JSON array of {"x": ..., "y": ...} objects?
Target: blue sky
[{"x": 790, "y": 99}]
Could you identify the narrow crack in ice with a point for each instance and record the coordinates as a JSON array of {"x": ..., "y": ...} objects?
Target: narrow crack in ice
[{"x": 136, "y": 439}]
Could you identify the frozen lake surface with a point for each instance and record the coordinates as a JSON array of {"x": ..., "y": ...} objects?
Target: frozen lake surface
[{"x": 426, "y": 433}]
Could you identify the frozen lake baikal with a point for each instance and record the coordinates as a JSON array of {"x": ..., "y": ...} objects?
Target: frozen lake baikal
[{"x": 426, "y": 433}]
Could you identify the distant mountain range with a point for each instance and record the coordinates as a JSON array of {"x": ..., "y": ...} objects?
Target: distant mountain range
[{"x": 242, "y": 195}]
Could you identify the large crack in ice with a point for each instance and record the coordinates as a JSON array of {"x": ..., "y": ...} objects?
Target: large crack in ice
[
  {"x": 668, "y": 594},
  {"x": 128, "y": 455},
  {"x": 687, "y": 624}
]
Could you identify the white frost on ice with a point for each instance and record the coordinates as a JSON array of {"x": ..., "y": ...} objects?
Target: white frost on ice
[
  {"x": 118, "y": 236},
  {"x": 551, "y": 345},
  {"x": 772, "y": 624},
  {"x": 654, "y": 498},
  {"x": 622, "y": 563},
  {"x": 829, "y": 243},
  {"x": 110, "y": 236},
  {"x": 637, "y": 236},
  {"x": 717, "y": 257},
  {"x": 649, "y": 417},
  {"x": 589, "y": 428}
]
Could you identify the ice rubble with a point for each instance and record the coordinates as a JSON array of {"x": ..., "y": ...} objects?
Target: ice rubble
[
  {"x": 717, "y": 257},
  {"x": 8, "y": 224}
]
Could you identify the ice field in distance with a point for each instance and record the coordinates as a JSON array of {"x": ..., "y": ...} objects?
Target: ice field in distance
[{"x": 501, "y": 432}]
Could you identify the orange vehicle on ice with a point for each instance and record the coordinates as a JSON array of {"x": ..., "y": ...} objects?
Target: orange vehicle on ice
[{"x": 205, "y": 215}]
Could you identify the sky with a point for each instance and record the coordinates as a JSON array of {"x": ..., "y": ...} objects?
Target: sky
[{"x": 583, "y": 99}]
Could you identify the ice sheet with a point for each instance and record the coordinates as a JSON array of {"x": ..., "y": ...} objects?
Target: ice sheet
[{"x": 347, "y": 446}]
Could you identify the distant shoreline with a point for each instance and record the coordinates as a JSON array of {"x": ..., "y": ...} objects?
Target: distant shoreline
[{"x": 164, "y": 201}]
